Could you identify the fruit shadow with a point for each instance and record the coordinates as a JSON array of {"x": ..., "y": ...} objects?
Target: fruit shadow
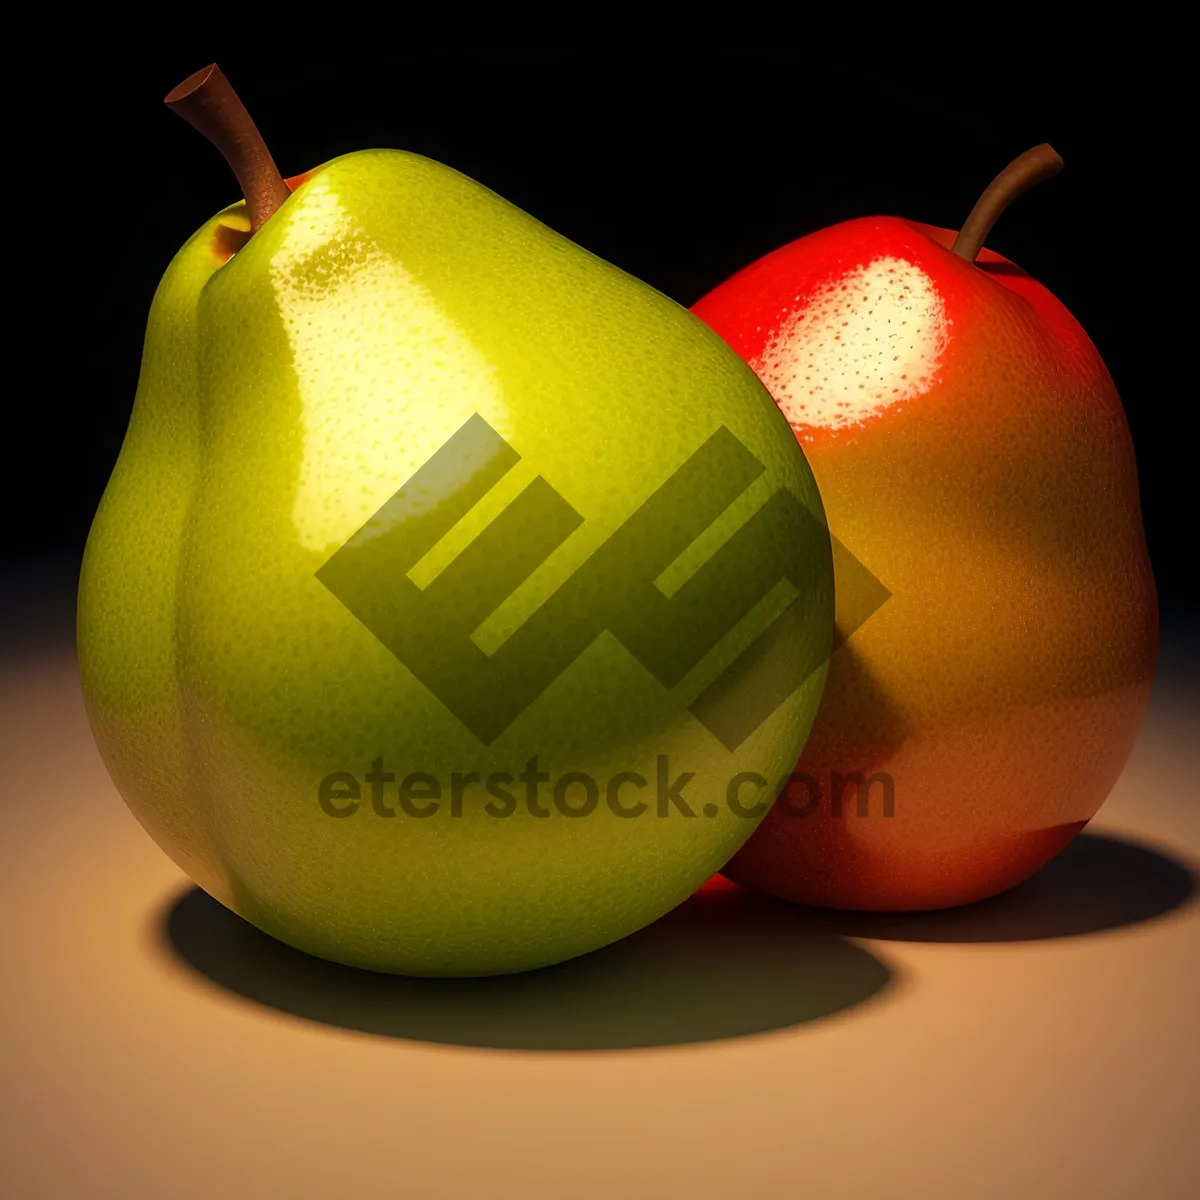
[
  {"x": 1097, "y": 882},
  {"x": 724, "y": 964}
]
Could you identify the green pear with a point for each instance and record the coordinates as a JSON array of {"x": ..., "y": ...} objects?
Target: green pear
[{"x": 447, "y": 611}]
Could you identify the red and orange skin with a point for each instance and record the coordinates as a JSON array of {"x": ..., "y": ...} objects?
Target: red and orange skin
[{"x": 1002, "y": 685}]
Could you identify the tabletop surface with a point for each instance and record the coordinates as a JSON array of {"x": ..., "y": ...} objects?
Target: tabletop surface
[{"x": 1041, "y": 1044}]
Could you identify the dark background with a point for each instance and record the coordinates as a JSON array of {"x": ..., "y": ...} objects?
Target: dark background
[{"x": 679, "y": 155}]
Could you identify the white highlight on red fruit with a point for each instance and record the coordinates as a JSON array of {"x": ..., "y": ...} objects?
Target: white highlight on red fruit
[{"x": 864, "y": 342}]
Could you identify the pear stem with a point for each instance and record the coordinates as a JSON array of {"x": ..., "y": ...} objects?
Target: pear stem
[
  {"x": 1031, "y": 168},
  {"x": 207, "y": 101}
]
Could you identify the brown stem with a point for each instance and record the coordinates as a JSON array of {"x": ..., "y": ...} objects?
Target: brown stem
[
  {"x": 208, "y": 103},
  {"x": 1031, "y": 168}
]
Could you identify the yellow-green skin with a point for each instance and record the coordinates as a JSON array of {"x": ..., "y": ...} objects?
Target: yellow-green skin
[{"x": 284, "y": 396}]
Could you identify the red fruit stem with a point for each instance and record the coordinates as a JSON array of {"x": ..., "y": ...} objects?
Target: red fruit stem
[
  {"x": 1031, "y": 168},
  {"x": 207, "y": 101}
]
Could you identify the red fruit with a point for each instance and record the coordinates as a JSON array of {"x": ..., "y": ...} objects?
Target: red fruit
[{"x": 972, "y": 452}]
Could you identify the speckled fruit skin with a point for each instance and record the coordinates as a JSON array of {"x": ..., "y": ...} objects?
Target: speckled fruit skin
[
  {"x": 286, "y": 392},
  {"x": 994, "y": 492}
]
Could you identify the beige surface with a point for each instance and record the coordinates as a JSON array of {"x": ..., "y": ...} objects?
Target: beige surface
[{"x": 147, "y": 1051}]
